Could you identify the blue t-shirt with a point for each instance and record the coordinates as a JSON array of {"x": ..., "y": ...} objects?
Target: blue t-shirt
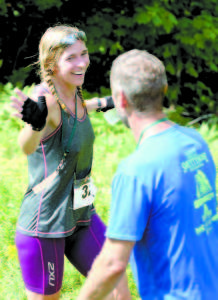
[{"x": 164, "y": 199}]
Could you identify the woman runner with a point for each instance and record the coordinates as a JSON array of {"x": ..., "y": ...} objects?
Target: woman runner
[{"x": 57, "y": 214}]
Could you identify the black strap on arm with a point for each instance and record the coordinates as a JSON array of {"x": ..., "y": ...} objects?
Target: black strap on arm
[{"x": 110, "y": 104}]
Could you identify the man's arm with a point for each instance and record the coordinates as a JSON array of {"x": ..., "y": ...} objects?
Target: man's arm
[{"x": 107, "y": 269}]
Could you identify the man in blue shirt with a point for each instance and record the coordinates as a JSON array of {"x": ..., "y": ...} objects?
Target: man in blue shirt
[{"x": 164, "y": 210}]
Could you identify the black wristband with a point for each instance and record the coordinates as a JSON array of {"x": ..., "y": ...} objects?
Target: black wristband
[
  {"x": 110, "y": 104},
  {"x": 99, "y": 105},
  {"x": 38, "y": 129}
]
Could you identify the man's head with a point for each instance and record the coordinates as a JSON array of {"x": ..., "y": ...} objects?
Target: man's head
[{"x": 141, "y": 78}]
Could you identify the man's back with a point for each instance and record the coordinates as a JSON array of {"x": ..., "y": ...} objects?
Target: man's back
[{"x": 164, "y": 198}]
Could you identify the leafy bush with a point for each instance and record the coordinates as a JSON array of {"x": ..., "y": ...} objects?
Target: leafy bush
[
  {"x": 8, "y": 121},
  {"x": 183, "y": 34}
]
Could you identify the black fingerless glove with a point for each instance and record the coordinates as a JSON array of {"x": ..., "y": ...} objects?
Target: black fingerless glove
[
  {"x": 35, "y": 113},
  {"x": 110, "y": 104}
]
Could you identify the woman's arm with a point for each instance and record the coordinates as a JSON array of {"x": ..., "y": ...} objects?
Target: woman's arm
[
  {"x": 29, "y": 139},
  {"x": 32, "y": 133},
  {"x": 95, "y": 103},
  {"x": 100, "y": 104}
]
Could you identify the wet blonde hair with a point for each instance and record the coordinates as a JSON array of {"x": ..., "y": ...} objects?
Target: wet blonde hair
[{"x": 52, "y": 44}]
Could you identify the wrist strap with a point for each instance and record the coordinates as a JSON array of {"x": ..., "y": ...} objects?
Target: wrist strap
[
  {"x": 38, "y": 129},
  {"x": 99, "y": 105}
]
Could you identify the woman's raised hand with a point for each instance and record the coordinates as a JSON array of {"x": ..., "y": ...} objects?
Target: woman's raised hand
[
  {"x": 31, "y": 112},
  {"x": 17, "y": 102}
]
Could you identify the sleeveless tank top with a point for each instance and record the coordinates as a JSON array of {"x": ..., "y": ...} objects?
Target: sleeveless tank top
[{"x": 49, "y": 212}]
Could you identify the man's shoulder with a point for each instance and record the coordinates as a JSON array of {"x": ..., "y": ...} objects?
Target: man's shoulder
[
  {"x": 134, "y": 164},
  {"x": 192, "y": 132}
]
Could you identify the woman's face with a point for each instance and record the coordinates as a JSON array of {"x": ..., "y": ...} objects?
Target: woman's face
[{"x": 72, "y": 64}]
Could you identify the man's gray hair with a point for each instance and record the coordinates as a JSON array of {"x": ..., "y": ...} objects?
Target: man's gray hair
[{"x": 142, "y": 78}]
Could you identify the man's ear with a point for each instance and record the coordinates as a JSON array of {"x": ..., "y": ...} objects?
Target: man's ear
[
  {"x": 165, "y": 89},
  {"x": 123, "y": 101}
]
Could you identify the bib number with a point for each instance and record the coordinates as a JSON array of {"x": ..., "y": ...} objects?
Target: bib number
[{"x": 84, "y": 195}]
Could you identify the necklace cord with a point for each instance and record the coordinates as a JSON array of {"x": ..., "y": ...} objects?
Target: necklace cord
[
  {"x": 63, "y": 107},
  {"x": 148, "y": 127},
  {"x": 74, "y": 127}
]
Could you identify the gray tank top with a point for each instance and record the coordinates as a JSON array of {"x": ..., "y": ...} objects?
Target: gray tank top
[{"x": 49, "y": 212}]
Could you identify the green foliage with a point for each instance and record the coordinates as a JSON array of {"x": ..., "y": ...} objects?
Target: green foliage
[
  {"x": 184, "y": 35},
  {"x": 157, "y": 16},
  {"x": 187, "y": 53},
  {"x": 6, "y": 112},
  {"x": 176, "y": 116},
  {"x": 210, "y": 134},
  {"x": 17, "y": 78},
  {"x": 3, "y": 7},
  {"x": 44, "y": 5}
]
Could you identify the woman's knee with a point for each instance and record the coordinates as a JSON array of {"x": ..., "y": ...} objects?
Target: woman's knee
[{"x": 34, "y": 296}]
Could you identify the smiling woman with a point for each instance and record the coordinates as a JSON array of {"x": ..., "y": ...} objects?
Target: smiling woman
[
  {"x": 72, "y": 65},
  {"x": 57, "y": 215}
]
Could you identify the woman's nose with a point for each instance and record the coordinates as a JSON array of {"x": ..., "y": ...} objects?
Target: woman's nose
[{"x": 81, "y": 62}]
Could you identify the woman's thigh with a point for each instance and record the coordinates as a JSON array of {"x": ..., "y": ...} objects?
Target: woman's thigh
[
  {"x": 84, "y": 244},
  {"x": 41, "y": 262}
]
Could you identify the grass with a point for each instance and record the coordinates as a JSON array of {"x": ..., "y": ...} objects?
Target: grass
[{"x": 112, "y": 144}]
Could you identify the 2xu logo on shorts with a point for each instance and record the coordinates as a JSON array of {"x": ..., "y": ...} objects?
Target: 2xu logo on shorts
[{"x": 51, "y": 271}]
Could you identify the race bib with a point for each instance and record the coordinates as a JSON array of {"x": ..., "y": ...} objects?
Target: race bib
[{"x": 84, "y": 194}]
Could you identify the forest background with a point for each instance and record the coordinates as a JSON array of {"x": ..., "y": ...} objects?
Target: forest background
[{"x": 183, "y": 34}]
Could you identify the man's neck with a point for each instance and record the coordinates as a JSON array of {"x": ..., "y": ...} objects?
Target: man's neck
[{"x": 138, "y": 122}]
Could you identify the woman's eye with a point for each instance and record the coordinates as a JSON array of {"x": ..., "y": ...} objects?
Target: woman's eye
[
  {"x": 70, "y": 58},
  {"x": 85, "y": 53}
]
